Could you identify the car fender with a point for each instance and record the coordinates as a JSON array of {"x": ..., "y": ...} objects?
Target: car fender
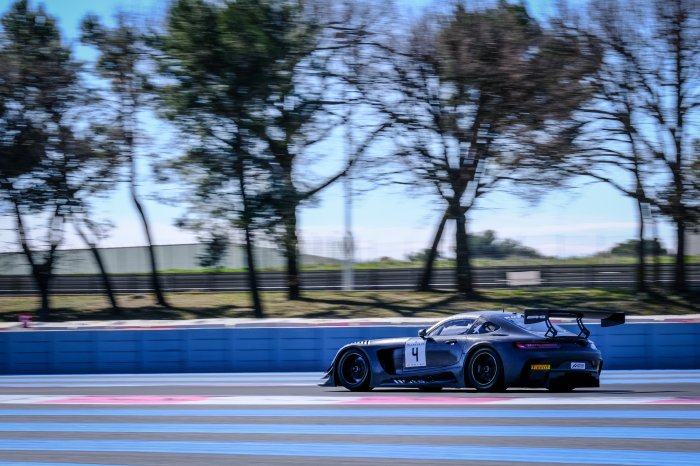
[
  {"x": 373, "y": 364},
  {"x": 507, "y": 375},
  {"x": 331, "y": 380}
]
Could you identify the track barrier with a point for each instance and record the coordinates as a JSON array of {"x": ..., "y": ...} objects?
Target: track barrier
[{"x": 310, "y": 347}]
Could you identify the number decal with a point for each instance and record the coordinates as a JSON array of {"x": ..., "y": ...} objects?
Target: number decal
[{"x": 414, "y": 353}]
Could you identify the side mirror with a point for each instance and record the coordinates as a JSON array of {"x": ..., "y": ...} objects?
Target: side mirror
[{"x": 422, "y": 333}]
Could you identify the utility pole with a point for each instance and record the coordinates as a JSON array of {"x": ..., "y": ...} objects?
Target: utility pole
[{"x": 348, "y": 242}]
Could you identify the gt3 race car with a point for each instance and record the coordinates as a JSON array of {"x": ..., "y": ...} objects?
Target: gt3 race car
[{"x": 489, "y": 351}]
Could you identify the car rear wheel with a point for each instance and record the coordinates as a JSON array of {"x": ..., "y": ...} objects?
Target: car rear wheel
[
  {"x": 354, "y": 371},
  {"x": 485, "y": 371}
]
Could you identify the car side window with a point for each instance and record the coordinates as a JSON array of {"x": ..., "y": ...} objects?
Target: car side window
[
  {"x": 453, "y": 327},
  {"x": 485, "y": 327}
]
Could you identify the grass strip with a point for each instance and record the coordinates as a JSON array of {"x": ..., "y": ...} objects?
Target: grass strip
[{"x": 357, "y": 304}]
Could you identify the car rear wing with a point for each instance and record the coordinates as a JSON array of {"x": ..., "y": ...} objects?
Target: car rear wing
[{"x": 607, "y": 319}]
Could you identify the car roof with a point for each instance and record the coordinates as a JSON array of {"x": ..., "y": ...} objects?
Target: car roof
[
  {"x": 477, "y": 314},
  {"x": 490, "y": 314}
]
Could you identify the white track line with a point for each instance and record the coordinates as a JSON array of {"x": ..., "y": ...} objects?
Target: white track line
[{"x": 377, "y": 399}]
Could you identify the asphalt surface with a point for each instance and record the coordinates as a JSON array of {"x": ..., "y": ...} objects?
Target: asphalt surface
[
  {"x": 596, "y": 276},
  {"x": 635, "y": 418}
]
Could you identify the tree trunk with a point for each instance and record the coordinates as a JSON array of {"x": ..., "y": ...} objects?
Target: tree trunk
[
  {"x": 43, "y": 282},
  {"x": 252, "y": 274},
  {"x": 42, "y": 272},
  {"x": 641, "y": 263},
  {"x": 657, "y": 260},
  {"x": 155, "y": 279},
  {"x": 682, "y": 98},
  {"x": 291, "y": 246},
  {"x": 679, "y": 282},
  {"x": 288, "y": 215},
  {"x": 464, "y": 276},
  {"x": 249, "y": 244},
  {"x": 45, "y": 309},
  {"x": 103, "y": 270},
  {"x": 427, "y": 276}
]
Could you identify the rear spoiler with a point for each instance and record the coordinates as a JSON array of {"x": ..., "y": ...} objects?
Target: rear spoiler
[{"x": 607, "y": 318}]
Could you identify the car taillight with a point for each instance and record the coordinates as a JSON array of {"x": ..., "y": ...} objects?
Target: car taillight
[{"x": 537, "y": 345}]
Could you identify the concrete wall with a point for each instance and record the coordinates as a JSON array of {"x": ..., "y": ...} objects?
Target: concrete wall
[
  {"x": 692, "y": 242},
  {"x": 629, "y": 346},
  {"x": 135, "y": 259}
]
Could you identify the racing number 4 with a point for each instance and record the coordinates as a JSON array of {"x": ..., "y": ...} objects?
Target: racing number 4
[{"x": 414, "y": 353}]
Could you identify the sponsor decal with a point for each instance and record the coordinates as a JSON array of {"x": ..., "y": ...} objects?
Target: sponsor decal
[
  {"x": 410, "y": 381},
  {"x": 414, "y": 353},
  {"x": 578, "y": 365},
  {"x": 540, "y": 367}
]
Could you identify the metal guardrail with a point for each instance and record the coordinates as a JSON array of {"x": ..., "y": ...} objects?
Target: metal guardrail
[{"x": 553, "y": 276}]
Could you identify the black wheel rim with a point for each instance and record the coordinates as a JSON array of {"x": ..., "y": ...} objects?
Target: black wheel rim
[
  {"x": 484, "y": 369},
  {"x": 354, "y": 369}
]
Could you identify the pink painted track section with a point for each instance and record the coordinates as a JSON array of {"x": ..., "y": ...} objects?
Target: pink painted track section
[
  {"x": 127, "y": 400},
  {"x": 280, "y": 400}
]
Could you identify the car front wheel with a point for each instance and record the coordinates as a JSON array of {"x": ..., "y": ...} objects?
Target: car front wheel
[
  {"x": 354, "y": 371},
  {"x": 485, "y": 371}
]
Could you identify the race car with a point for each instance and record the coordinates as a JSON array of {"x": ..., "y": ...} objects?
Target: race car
[{"x": 489, "y": 351}]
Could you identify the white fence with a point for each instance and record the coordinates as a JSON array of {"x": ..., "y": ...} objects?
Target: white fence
[{"x": 135, "y": 259}]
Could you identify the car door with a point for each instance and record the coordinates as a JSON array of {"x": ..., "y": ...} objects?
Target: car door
[
  {"x": 443, "y": 351},
  {"x": 441, "y": 348}
]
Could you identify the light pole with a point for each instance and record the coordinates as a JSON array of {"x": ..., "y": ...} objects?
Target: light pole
[{"x": 348, "y": 242}]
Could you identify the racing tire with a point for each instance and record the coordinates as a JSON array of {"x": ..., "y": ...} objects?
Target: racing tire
[
  {"x": 354, "y": 371},
  {"x": 484, "y": 371}
]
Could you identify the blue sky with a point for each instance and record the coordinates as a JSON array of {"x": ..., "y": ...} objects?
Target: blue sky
[{"x": 388, "y": 221}]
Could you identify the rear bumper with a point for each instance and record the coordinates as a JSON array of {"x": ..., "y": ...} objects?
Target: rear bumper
[
  {"x": 574, "y": 368},
  {"x": 577, "y": 379}
]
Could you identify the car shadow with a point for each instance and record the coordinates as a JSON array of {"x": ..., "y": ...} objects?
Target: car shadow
[{"x": 467, "y": 391}]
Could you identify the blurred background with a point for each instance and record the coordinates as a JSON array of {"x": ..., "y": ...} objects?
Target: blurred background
[{"x": 289, "y": 135}]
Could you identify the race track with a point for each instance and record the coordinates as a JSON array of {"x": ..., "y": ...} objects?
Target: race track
[{"x": 635, "y": 418}]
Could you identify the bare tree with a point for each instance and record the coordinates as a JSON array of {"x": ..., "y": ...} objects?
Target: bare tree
[
  {"x": 45, "y": 161},
  {"x": 486, "y": 96},
  {"x": 636, "y": 133},
  {"x": 120, "y": 63}
]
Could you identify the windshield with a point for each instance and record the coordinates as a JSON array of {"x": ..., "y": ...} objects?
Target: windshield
[{"x": 452, "y": 327}]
